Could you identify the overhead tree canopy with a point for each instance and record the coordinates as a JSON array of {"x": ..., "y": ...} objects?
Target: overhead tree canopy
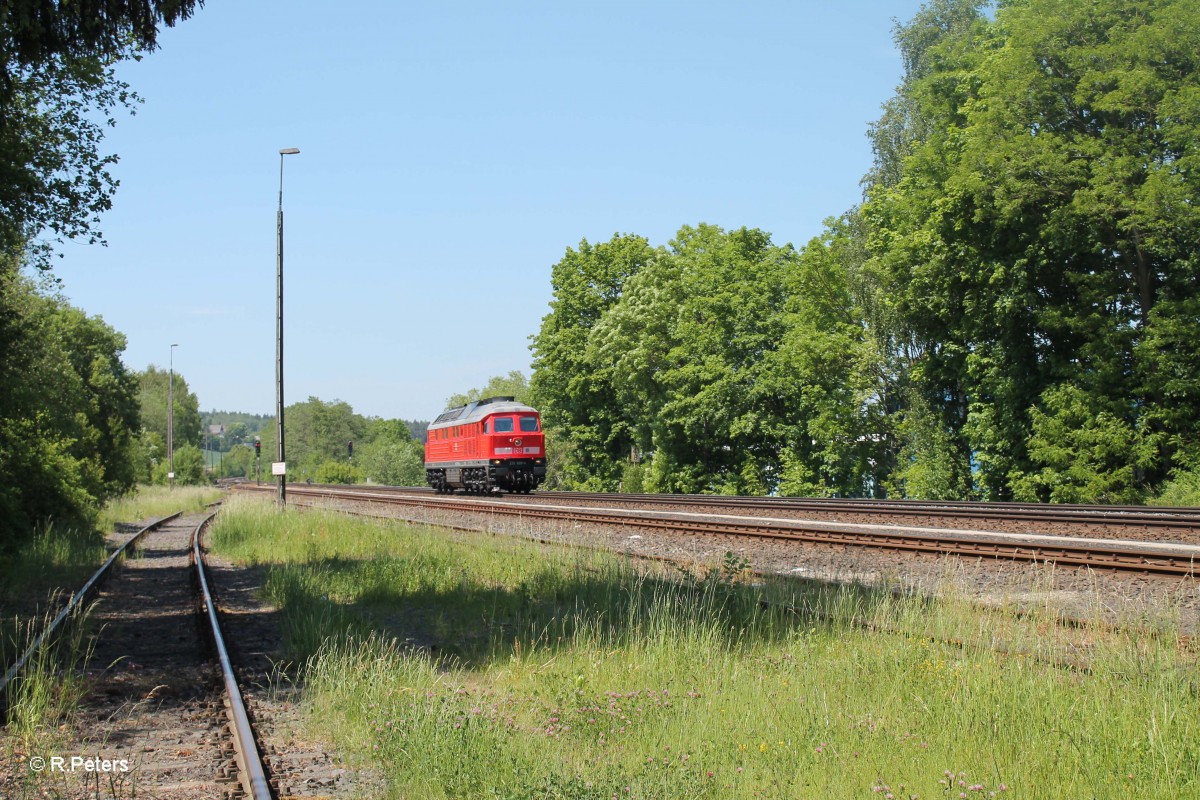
[
  {"x": 36, "y": 31},
  {"x": 1038, "y": 224},
  {"x": 58, "y": 93}
]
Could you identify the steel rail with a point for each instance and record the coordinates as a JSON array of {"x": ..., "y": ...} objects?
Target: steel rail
[
  {"x": 1104, "y": 515},
  {"x": 1179, "y": 560},
  {"x": 1124, "y": 516},
  {"x": 76, "y": 600},
  {"x": 254, "y": 774}
]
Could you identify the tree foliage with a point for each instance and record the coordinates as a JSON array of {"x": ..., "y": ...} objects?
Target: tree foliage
[
  {"x": 1011, "y": 312},
  {"x": 588, "y": 433},
  {"x": 514, "y": 385},
  {"x": 35, "y": 31},
  {"x": 1039, "y": 227},
  {"x": 154, "y": 392},
  {"x": 58, "y": 93},
  {"x": 694, "y": 367},
  {"x": 318, "y": 432},
  {"x": 68, "y": 411}
]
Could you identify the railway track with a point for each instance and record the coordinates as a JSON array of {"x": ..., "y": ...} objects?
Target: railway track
[
  {"x": 1181, "y": 523},
  {"x": 167, "y": 718},
  {"x": 1171, "y": 518},
  {"x": 1163, "y": 558}
]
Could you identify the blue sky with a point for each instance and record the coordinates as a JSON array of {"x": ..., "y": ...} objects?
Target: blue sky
[{"x": 450, "y": 153}]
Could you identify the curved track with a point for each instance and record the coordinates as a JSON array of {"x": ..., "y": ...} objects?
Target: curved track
[
  {"x": 145, "y": 638},
  {"x": 87, "y": 591}
]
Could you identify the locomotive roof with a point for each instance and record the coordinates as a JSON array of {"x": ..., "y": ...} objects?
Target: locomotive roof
[{"x": 473, "y": 412}]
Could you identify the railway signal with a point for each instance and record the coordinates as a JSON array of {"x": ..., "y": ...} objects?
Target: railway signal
[{"x": 350, "y": 450}]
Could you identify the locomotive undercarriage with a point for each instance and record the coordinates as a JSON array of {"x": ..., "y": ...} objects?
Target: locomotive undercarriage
[{"x": 510, "y": 476}]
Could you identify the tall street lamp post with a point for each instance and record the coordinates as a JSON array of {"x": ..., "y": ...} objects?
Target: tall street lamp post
[
  {"x": 281, "y": 467},
  {"x": 171, "y": 421}
]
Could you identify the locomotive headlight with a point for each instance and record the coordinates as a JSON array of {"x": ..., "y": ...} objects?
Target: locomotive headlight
[{"x": 495, "y": 461}]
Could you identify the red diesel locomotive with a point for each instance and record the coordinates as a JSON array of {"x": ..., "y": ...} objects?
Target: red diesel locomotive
[{"x": 489, "y": 445}]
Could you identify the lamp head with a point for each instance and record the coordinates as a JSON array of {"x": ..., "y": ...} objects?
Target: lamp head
[{"x": 289, "y": 151}]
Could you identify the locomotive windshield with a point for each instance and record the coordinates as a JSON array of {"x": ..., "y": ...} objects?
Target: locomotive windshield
[
  {"x": 529, "y": 424},
  {"x": 503, "y": 424}
]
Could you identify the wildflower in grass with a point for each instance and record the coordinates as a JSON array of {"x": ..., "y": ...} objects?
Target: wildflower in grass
[{"x": 762, "y": 747}]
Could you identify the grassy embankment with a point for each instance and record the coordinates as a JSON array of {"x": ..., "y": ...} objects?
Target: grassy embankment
[
  {"x": 39, "y": 578},
  {"x": 570, "y": 675}
]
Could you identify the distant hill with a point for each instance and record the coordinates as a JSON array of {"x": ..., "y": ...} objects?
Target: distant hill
[{"x": 253, "y": 422}]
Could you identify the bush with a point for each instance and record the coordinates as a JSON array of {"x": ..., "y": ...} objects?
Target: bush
[
  {"x": 337, "y": 472},
  {"x": 189, "y": 467},
  {"x": 1182, "y": 490}
]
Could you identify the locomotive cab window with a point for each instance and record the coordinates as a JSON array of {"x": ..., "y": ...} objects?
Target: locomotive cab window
[
  {"x": 504, "y": 425},
  {"x": 529, "y": 424}
]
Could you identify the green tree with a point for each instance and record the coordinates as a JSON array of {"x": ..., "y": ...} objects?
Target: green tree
[
  {"x": 58, "y": 93},
  {"x": 394, "y": 463},
  {"x": 154, "y": 393},
  {"x": 588, "y": 428},
  {"x": 828, "y": 379},
  {"x": 68, "y": 411},
  {"x": 686, "y": 349},
  {"x": 512, "y": 385},
  {"x": 236, "y": 433},
  {"x": 318, "y": 432},
  {"x": 1088, "y": 453},
  {"x": 1040, "y": 229},
  {"x": 34, "y": 31}
]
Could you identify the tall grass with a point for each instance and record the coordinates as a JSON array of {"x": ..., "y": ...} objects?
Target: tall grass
[
  {"x": 471, "y": 666},
  {"x": 150, "y": 502},
  {"x": 49, "y": 686}
]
